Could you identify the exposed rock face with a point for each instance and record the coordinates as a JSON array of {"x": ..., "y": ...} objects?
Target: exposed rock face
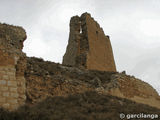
[
  {"x": 88, "y": 46},
  {"x": 134, "y": 89},
  {"x": 12, "y": 37},
  {"x": 12, "y": 66},
  {"x": 50, "y": 79}
]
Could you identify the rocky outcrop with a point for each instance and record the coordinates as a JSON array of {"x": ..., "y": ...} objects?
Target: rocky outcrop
[
  {"x": 12, "y": 66},
  {"x": 50, "y": 79},
  {"x": 134, "y": 89},
  {"x": 88, "y": 46}
]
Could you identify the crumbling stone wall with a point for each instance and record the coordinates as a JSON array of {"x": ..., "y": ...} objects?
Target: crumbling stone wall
[
  {"x": 135, "y": 89},
  {"x": 44, "y": 79},
  {"x": 72, "y": 48},
  {"x": 88, "y": 46},
  {"x": 12, "y": 66}
]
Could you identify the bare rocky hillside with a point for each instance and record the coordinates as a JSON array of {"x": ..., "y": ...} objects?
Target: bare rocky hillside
[{"x": 44, "y": 78}]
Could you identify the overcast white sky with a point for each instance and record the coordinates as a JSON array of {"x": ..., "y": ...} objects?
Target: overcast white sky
[{"x": 133, "y": 26}]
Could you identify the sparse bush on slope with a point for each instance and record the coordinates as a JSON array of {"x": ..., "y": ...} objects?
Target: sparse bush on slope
[{"x": 84, "y": 106}]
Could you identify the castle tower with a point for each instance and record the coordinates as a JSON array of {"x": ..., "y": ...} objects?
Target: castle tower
[{"x": 88, "y": 46}]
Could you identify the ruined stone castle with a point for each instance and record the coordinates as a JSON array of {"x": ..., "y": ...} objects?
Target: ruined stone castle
[
  {"x": 88, "y": 64},
  {"x": 88, "y": 46}
]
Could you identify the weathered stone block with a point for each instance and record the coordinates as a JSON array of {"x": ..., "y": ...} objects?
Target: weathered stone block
[
  {"x": 3, "y": 82},
  {"x": 5, "y": 94},
  {"x": 2, "y": 72},
  {"x": 2, "y": 99},
  {"x": 5, "y": 59},
  {"x": 3, "y": 88},
  {"x": 6, "y": 77},
  {"x": 6, "y": 105},
  {"x": 13, "y": 101},
  {"x": 12, "y": 74},
  {"x": 12, "y": 83},
  {"x": 14, "y": 95},
  {"x": 13, "y": 89}
]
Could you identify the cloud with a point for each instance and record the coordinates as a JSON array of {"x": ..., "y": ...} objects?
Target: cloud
[
  {"x": 53, "y": 29},
  {"x": 150, "y": 27},
  {"x": 147, "y": 67}
]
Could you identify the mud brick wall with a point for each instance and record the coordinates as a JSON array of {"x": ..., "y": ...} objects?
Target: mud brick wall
[
  {"x": 12, "y": 66},
  {"x": 88, "y": 46}
]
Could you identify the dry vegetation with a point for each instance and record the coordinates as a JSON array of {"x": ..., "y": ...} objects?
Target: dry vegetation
[{"x": 84, "y": 106}]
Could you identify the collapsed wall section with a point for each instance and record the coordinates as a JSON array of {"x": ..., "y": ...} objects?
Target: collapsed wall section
[
  {"x": 12, "y": 66},
  {"x": 88, "y": 46}
]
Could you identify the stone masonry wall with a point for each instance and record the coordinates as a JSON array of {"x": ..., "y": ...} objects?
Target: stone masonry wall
[
  {"x": 72, "y": 48},
  {"x": 100, "y": 55},
  {"x": 135, "y": 89},
  {"x": 12, "y": 66},
  {"x": 88, "y": 46}
]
